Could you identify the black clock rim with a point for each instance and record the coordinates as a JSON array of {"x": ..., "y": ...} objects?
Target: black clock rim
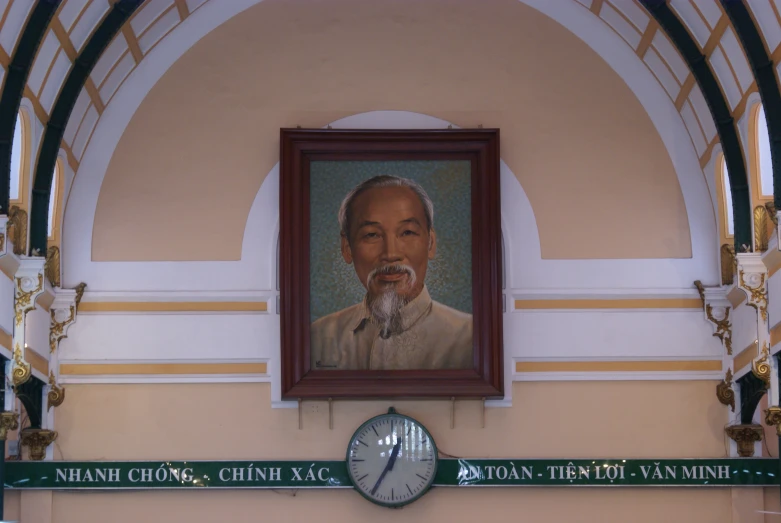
[{"x": 426, "y": 488}]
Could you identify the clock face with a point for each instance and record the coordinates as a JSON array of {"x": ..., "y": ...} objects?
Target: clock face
[{"x": 392, "y": 460}]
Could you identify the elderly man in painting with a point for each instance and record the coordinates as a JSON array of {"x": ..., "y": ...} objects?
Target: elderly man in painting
[{"x": 387, "y": 233}]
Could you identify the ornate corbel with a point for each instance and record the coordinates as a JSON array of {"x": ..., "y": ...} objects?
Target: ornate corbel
[
  {"x": 27, "y": 289},
  {"x": 724, "y": 391},
  {"x": 754, "y": 285},
  {"x": 56, "y": 394},
  {"x": 773, "y": 418},
  {"x": 63, "y": 313},
  {"x": 22, "y": 370},
  {"x": 17, "y": 229},
  {"x": 28, "y": 285},
  {"x": 745, "y": 436},
  {"x": 717, "y": 308},
  {"x": 37, "y": 440},
  {"x": 761, "y": 366},
  {"x": 8, "y": 421}
]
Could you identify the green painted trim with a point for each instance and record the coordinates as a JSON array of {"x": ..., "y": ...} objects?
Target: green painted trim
[
  {"x": 13, "y": 88},
  {"x": 722, "y": 116},
  {"x": 52, "y": 137},
  {"x": 258, "y": 474},
  {"x": 767, "y": 83}
]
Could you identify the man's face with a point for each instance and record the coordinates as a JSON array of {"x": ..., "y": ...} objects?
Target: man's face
[{"x": 389, "y": 228}]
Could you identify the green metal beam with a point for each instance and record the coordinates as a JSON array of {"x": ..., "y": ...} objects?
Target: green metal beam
[
  {"x": 44, "y": 171},
  {"x": 15, "y": 80},
  {"x": 765, "y": 76},
  {"x": 722, "y": 116}
]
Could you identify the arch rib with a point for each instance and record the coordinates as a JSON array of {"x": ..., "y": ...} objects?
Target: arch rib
[
  {"x": 725, "y": 123},
  {"x": 765, "y": 76},
  {"x": 16, "y": 79},
  {"x": 82, "y": 67}
]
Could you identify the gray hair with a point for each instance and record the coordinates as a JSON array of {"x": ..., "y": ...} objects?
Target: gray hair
[{"x": 385, "y": 180}]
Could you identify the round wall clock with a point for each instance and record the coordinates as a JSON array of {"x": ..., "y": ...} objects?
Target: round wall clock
[{"x": 392, "y": 459}]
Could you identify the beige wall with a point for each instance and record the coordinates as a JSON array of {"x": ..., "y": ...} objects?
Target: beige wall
[
  {"x": 193, "y": 157},
  {"x": 235, "y": 421}
]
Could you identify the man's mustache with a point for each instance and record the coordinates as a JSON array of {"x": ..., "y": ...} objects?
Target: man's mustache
[{"x": 392, "y": 268}]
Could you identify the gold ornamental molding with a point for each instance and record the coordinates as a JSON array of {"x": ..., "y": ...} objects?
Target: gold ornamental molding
[
  {"x": 63, "y": 317},
  {"x": 761, "y": 228},
  {"x": 619, "y": 366},
  {"x": 37, "y": 440},
  {"x": 761, "y": 366},
  {"x": 26, "y": 291},
  {"x": 22, "y": 370},
  {"x": 716, "y": 306},
  {"x": 8, "y": 421},
  {"x": 724, "y": 391},
  {"x": 745, "y": 436},
  {"x": 754, "y": 286},
  {"x": 17, "y": 229},
  {"x": 56, "y": 394},
  {"x": 773, "y": 418},
  {"x": 628, "y": 303},
  {"x": 174, "y": 306},
  {"x": 157, "y": 369}
]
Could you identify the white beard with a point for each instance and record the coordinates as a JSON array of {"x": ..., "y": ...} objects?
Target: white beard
[{"x": 385, "y": 306}]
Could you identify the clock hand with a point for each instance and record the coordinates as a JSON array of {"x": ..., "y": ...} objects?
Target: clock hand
[{"x": 389, "y": 466}]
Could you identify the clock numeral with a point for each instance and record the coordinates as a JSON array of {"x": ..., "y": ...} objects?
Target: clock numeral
[
  {"x": 361, "y": 442},
  {"x": 375, "y": 431},
  {"x": 362, "y": 477},
  {"x": 392, "y": 495},
  {"x": 410, "y": 490},
  {"x": 421, "y": 477}
]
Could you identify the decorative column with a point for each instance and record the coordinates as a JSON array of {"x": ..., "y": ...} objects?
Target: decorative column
[
  {"x": 752, "y": 280},
  {"x": 63, "y": 314},
  {"x": 29, "y": 284}
]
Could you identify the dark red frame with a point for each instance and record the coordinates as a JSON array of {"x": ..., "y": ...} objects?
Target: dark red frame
[{"x": 300, "y": 146}]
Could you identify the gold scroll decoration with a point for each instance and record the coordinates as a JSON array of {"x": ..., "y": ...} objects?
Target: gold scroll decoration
[
  {"x": 761, "y": 367},
  {"x": 24, "y": 299},
  {"x": 22, "y": 369},
  {"x": 773, "y": 418},
  {"x": 724, "y": 391},
  {"x": 723, "y": 327},
  {"x": 8, "y": 421},
  {"x": 757, "y": 292},
  {"x": 56, "y": 395},
  {"x": 57, "y": 329}
]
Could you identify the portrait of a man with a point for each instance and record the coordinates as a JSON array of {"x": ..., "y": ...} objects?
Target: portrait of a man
[{"x": 388, "y": 239}]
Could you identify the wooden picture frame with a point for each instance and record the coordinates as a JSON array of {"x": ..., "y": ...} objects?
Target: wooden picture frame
[{"x": 299, "y": 150}]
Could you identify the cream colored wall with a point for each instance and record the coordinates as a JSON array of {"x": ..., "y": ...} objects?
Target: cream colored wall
[
  {"x": 235, "y": 421},
  {"x": 599, "y": 179}
]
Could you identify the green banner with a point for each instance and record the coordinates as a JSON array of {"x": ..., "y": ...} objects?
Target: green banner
[{"x": 86, "y": 475}]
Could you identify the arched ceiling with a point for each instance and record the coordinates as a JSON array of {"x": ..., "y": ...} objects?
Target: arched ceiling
[{"x": 77, "y": 22}]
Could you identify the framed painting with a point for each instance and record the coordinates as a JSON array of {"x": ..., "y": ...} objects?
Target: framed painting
[{"x": 390, "y": 264}]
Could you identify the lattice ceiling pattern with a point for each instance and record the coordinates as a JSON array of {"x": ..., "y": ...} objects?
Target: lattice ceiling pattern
[{"x": 75, "y": 21}]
